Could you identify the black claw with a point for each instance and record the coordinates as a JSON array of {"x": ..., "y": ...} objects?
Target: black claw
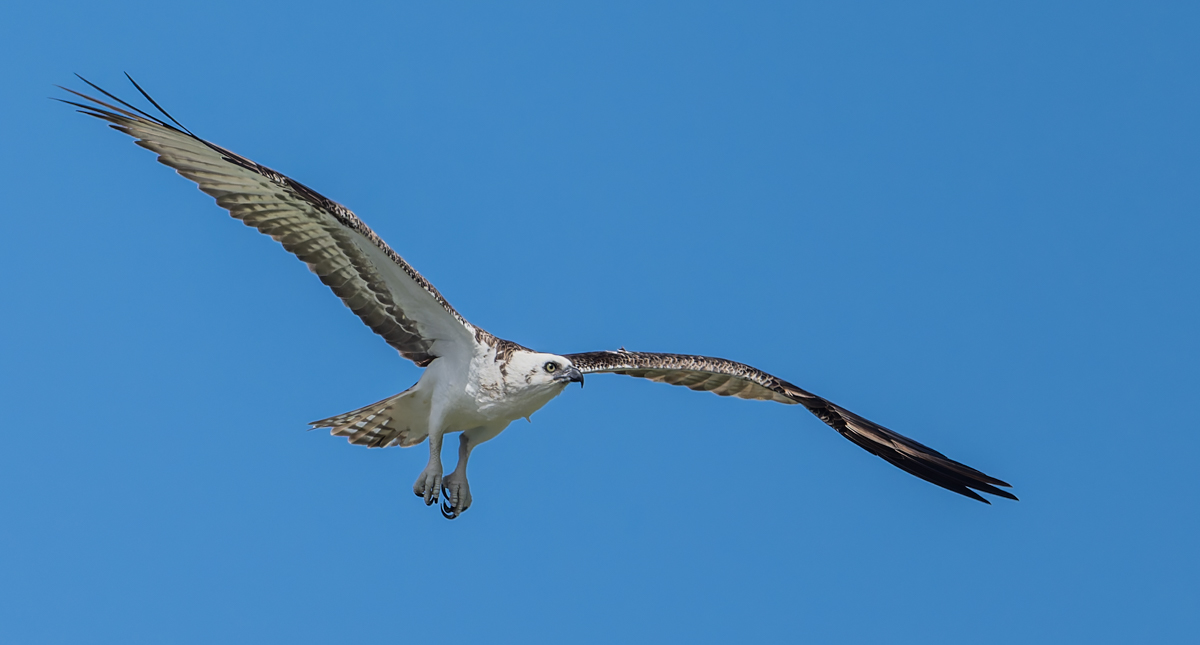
[{"x": 448, "y": 511}]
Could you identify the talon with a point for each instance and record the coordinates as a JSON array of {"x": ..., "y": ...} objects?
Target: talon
[
  {"x": 427, "y": 486},
  {"x": 457, "y": 496}
]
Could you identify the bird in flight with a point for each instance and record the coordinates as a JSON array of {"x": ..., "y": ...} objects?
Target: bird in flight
[{"x": 474, "y": 383}]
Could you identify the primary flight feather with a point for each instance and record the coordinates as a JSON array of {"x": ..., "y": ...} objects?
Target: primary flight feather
[{"x": 474, "y": 383}]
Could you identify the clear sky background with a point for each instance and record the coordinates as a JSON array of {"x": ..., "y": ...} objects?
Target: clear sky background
[{"x": 975, "y": 223}]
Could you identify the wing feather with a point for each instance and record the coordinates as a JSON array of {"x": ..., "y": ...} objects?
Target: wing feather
[
  {"x": 372, "y": 280},
  {"x": 729, "y": 378}
]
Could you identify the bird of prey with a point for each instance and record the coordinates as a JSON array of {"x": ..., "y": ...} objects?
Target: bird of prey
[{"x": 474, "y": 383}]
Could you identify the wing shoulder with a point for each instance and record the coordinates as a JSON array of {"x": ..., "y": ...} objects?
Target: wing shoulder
[{"x": 703, "y": 373}]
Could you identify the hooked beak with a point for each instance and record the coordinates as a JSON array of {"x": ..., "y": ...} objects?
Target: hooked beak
[{"x": 572, "y": 375}]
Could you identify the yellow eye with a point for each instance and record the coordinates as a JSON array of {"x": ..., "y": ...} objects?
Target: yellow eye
[{"x": 551, "y": 366}]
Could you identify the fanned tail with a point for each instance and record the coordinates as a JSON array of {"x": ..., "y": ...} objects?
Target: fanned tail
[{"x": 400, "y": 420}]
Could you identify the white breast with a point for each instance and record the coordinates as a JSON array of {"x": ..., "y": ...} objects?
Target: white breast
[{"x": 499, "y": 395}]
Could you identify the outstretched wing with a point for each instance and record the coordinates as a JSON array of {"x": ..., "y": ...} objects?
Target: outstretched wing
[
  {"x": 728, "y": 378},
  {"x": 377, "y": 284}
]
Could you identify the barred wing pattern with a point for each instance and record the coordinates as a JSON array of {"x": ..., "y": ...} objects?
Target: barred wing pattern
[
  {"x": 372, "y": 280},
  {"x": 729, "y": 378}
]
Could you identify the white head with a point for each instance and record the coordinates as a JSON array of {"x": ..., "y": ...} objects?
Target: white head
[{"x": 537, "y": 371}]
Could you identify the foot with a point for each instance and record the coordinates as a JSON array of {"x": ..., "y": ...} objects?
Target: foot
[
  {"x": 457, "y": 495},
  {"x": 428, "y": 484}
]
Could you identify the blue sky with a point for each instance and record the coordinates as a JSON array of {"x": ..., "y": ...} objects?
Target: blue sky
[{"x": 976, "y": 225}]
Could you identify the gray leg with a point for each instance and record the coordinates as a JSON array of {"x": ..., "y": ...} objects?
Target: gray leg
[
  {"x": 429, "y": 482},
  {"x": 457, "y": 492}
]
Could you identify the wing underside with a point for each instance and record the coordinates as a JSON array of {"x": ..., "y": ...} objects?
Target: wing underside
[
  {"x": 729, "y": 378},
  {"x": 383, "y": 290}
]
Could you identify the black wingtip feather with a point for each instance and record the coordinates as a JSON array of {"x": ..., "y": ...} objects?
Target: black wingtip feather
[
  {"x": 915, "y": 458},
  {"x": 110, "y": 112},
  {"x": 113, "y": 97},
  {"x": 155, "y": 104}
]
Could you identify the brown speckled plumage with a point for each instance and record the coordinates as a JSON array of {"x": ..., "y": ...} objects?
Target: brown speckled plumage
[{"x": 730, "y": 378}]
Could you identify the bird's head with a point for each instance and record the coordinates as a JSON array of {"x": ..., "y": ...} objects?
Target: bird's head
[{"x": 538, "y": 369}]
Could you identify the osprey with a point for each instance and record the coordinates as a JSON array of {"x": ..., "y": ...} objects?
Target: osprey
[{"x": 474, "y": 383}]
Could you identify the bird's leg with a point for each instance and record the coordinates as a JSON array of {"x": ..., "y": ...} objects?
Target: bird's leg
[
  {"x": 457, "y": 493},
  {"x": 429, "y": 482}
]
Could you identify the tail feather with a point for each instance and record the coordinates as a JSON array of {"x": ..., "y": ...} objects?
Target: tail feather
[{"x": 398, "y": 420}]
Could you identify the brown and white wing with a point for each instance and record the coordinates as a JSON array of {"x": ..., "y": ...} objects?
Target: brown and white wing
[
  {"x": 372, "y": 280},
  {"x": 728, "y": 378}
]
